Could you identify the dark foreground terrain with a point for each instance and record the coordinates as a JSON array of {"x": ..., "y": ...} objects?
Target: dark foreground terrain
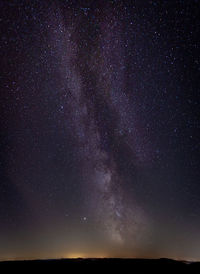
[{"x": 102, "y": 266}]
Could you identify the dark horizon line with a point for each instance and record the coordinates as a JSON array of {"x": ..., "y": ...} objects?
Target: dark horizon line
[{"x": 98, "y": 258}]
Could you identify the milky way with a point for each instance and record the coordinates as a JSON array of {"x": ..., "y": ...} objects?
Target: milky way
[
  {"x": 99, "y": 129},
  {"x": 101, "y": 119}
]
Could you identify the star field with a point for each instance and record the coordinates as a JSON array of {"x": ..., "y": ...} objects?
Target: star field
[{"x": 99, "y": 127}]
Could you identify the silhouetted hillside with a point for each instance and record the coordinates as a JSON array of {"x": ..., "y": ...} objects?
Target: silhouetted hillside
[{"x": 102, "y": 266}]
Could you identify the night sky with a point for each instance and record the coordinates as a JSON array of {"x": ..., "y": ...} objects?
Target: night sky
[{"x": 99, "y": 141}]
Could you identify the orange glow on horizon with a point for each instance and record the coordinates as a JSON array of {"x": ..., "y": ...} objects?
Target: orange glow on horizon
[{"x": 84, "y": 256}]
